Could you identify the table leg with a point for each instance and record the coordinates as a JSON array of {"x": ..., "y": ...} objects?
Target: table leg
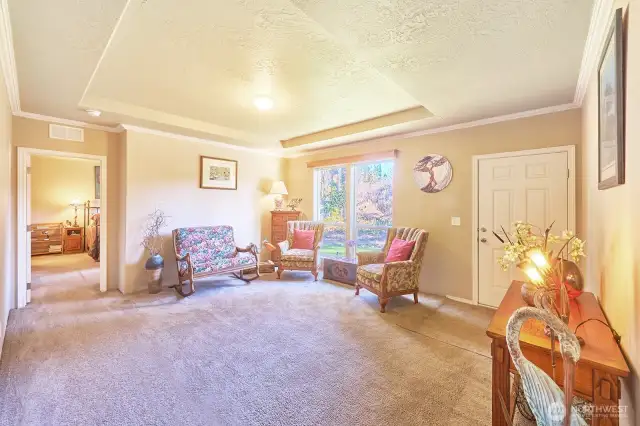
[
  {"x": 606, "y": 399},
  {"x": 500, "y": 381}
]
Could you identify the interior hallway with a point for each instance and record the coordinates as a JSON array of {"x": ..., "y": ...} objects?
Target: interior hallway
[{"x": 55, "y": 277}]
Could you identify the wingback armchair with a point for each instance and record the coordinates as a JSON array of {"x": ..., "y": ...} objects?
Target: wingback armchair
[
  {"x": 300, "y": 259},
  {"x": 392, "y": 278}
]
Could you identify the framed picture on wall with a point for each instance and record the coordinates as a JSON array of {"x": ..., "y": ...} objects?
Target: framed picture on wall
[
  {"x": 96, "y": 179},
  {"x": 218, "y": 173},
  {"x": 611, "y": 108}
]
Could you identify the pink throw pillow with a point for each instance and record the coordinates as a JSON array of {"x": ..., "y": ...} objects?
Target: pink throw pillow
[
  {"x": 303, "y": 239},
  {"x": 400, "y": 250}
]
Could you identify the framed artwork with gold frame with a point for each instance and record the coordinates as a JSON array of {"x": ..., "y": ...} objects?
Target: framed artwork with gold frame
[{"x": 218, "y": 173}]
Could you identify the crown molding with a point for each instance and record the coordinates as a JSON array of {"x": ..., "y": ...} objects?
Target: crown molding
[
  {"x": 290, "y": 153},
  {"x": 137, "y": 129},
  {"x": 67, "y": 122},
  {"x": 600, "y": 20},
  {"x": 7, "y": 58}
]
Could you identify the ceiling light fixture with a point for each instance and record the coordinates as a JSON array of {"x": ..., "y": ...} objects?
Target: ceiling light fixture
[
  {"x": 263, "y": 103},
  {"x": 94, "y": 112}
]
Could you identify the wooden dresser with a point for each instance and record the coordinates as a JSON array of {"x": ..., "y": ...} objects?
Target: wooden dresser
[
  {"x": 279, "y": 219},
  {"x": 73, "y": 239},
  {"x": 46, "y": 238}
]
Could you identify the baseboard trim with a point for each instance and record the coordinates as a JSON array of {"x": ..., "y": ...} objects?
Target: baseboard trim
[{"x": 461, "y": 300}]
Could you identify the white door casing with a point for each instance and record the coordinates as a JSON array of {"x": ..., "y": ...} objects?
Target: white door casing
[
  {"x": 29, "y": 232},
  {"x": 23, "y": 252},
  {"x": 533, "y": 186}
]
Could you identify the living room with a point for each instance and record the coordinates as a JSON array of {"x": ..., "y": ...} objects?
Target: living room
[{"x": 219, "y": 115}]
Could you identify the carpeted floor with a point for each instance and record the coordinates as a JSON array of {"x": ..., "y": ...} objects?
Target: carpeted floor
[{"x": 289, "y": 352}]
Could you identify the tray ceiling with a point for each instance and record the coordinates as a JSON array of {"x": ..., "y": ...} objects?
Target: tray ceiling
[{"x": 326, "y": 64}]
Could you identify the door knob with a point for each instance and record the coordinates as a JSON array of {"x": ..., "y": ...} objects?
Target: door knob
[{"x": 483, "y": 240}]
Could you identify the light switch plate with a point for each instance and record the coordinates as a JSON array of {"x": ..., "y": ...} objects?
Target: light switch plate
[{"x": 455, "y": 221}]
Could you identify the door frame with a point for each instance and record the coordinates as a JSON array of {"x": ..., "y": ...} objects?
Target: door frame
[
  {"x": 23, "y": 154},
  {"x": 571, "y": 201}
]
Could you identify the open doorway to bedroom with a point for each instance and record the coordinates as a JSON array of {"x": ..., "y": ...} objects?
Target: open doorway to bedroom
[{"x": 61, "y": 201}]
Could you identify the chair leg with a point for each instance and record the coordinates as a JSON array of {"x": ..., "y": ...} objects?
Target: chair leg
[
  {"x": 383, "y": 304},
  {"x": 357, "y": 290},
  {"x": 315, "y": 274},
  {"x": 415, "y": 297},
  {"x": 279, "y": 271}
]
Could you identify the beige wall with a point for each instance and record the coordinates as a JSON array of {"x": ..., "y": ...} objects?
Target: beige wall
[
  {"x": 7, "y": 217},
  {"x": 55, "y": 183},
  {"x": 611, "y": 217},
  {"x": 35, "y": 134},
  {"x": 164, "y": 173},
  {"x": 447, "y": 267}
]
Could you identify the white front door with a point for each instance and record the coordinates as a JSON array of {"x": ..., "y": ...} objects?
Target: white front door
[{"x": 530, "y": 188}]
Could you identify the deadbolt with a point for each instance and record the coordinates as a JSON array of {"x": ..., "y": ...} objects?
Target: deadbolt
[
  {"x": 483, "y": 229},
  {"x": 483, "y": 240}
]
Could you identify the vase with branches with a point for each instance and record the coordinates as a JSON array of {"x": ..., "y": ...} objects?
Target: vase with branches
[{"x": 152, "y": 241}]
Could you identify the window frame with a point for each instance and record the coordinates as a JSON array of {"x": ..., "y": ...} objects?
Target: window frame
[
  {"x": 351, "y": 225},
  {"x": 316, "y": 203}
]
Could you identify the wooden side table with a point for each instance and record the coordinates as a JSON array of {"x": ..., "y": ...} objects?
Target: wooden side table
[
  {"x": 598, "y": 372},
  {"x": 72, "y": 239},
  {"x": 279, "y": 219}
]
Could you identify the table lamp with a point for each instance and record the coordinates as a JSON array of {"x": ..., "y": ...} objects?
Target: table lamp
[
  {"x": 279, "y": 189},
  {"x": 75, "y": 204}
]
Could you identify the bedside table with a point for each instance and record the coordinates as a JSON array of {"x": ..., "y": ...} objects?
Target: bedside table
[{"x": 72, "y": 238}]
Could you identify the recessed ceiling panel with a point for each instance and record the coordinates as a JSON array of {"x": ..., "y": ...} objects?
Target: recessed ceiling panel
[
  {"x": 209, "y": 61},
  {"x": 460, "y": 57}
]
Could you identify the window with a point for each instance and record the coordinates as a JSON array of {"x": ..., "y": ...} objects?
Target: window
[
  {"x": 373, "y": 186},
  {"x": 355, "y": 203},
  {"x": 331, "y": 208}
]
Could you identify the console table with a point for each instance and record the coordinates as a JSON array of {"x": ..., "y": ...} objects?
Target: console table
[{"x": 598, "y": 372}]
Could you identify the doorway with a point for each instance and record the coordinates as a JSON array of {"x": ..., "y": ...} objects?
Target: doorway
[
  {"x": 69, "y": 193},
  {"x": 536, "y": 186}
]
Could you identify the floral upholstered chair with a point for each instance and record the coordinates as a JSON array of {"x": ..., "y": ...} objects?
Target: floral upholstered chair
[
  {"x": 392, "y": 278},
  {"x": 210, "y": 250},
  {"x": 296, "y": 259}
]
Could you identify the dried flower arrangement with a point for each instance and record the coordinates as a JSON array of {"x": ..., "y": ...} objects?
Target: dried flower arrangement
[
  {"x": 294, "y": 203},
  {"x": 532, "y": 252},
  {"x": 552, "y": 277},
  {"x": 151, "y": 239}
]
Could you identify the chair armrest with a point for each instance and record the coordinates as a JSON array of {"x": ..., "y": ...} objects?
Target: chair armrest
[
  {"x": 185, "y": 258},
  {"x": 369, "y": 257},
  {"x": 401, "y": 264},
  {"x": 284, "y": 246},
  {"x": 251, "y": 248}
]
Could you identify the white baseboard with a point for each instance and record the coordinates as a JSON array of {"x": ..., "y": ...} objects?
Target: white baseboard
[{"x": 461, "y": 300}]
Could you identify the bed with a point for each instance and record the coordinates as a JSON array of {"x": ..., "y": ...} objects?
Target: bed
[{"x": 92, "y": 229}]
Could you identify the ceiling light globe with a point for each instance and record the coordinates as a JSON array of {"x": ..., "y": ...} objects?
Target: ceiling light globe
[
  {"x": 263, "y": 103},
  {"x": 94, "y": 112}
]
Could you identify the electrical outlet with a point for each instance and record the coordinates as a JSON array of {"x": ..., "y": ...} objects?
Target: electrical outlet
[{"x": 455, "y": 221}]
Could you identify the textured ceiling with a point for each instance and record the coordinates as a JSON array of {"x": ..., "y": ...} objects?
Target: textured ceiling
[{"x": 197, "y": 65}]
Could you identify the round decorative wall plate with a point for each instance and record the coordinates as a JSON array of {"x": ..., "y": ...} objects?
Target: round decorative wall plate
[{"x": 433, "y": 173}]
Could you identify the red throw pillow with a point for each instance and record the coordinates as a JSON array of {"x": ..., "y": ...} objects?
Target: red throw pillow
[
  {"x": 303, "y": 239},
  {"x": 400, "y": 250}
]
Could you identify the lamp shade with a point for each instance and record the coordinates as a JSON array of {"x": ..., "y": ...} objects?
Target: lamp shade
[
  {"x": 75, "y": 203},
  {"x": 278, "y": 188}
]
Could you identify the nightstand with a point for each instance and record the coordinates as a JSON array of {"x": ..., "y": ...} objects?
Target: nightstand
[{"x": 72, "y": 238}]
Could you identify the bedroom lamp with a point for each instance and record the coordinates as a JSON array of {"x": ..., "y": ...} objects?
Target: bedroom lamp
[
  {"x": 279, "y": 189},
  {"x": 75, "y": 204}
]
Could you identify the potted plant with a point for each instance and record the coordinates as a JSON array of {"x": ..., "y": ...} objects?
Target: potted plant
[{"x": 152, "y": 242}]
